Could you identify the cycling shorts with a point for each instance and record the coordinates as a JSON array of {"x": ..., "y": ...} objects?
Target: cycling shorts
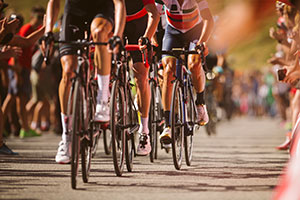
[
  {"x": 173, "y": 38},
  {"x": 74, "y": 26},
  {"x": 133, "y": 31}
]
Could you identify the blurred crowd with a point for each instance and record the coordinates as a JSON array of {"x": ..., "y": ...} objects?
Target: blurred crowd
[{"x": 28, "y": 87}]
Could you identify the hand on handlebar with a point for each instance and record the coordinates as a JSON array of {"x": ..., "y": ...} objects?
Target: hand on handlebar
[
  {"x": 201, "y": 47},
  {"x": 115, "y": 44},
  {"x": 144, "y": 43},
  {"x": 46, "y": 45}
]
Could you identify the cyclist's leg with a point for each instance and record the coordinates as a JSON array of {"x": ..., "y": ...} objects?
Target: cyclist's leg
[
  {"x": 101, "y": 29},
  {"x": 69, "y": 64},
  {"x": 172, "y": 39},
  {"x": 198, "y": 75},
  {"x": 133, "y": 31}
]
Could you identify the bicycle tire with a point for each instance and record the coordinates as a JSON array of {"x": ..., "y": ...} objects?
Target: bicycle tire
[
  {"x": 177, "y": 129},
  {"x": 107, "y": 141},
  {"x": 131, "y": 118},
  {"x": 153, "y": 123},
  {"x": 117, "y": 116},
  {"x": 88, "y": 128},
  {"x": 76, "y": 129},
  {"x": 190, "y": 111}
]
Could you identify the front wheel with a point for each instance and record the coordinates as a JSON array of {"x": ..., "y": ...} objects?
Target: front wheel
[
  {"x": 77, "y": 117},
  {"x": 153, "y": 123},
  {"x": 189, "y": 128},
  {"x": 177, "y": 128},
  {"x": 117, "y": 123}
]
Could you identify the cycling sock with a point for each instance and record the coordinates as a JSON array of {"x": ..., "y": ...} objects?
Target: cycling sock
[
  {"x": 64, "y": 127},
  {"x": 144, "y": 125},
  {"x": 33, "y": 125},
  {"x": 103, "y": 84},
  {"x": 167, "y": 118},
  {"x": 200, "y": 98}
]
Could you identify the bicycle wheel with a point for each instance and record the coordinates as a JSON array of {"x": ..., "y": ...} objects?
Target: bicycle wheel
[
  {"x": 76, "y": 131},
  {"x": 117, "y": 122},
  {"x": 132, "y": 120},
  {"x": 88, "y": 132},
  {"x": 159, "y": 116},
  {"x": 189, "y": 128},
  {"x": 153, "y": 123},
  {"x": 107, "y": 141},
  {"x": 177, "y": 129}
]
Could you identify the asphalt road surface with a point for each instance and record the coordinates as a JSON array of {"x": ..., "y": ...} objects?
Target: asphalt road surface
[{"x": 240, "y": 162}]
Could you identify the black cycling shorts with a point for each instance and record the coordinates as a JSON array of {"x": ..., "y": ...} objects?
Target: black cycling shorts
[
  {"x": 133, "y": 31},
  {"x": 74, "y": 26},
  {"x": 173, "y": 38}
]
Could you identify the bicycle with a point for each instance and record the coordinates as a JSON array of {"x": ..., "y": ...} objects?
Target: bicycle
[
  {"x": 183, "y": 108},
  {"x": 156, "y": 120},
  {"x": 123, "y": 113},
  {"x": 81, "y": 108}
]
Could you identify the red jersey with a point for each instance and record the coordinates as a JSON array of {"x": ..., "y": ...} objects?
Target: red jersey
[
  {"x": 135, "y": 9},
  {"x": 25, "y": 58}
]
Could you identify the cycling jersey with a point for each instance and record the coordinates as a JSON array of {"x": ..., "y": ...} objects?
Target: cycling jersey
[
  {"x": 135, "y": 9},
  {"x": 136, "y": 23},
  {"x": 183, "y": 17}
]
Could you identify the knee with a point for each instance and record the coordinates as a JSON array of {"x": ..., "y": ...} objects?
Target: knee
[
  {"x": 67, "y": 74},
  {"x": 100, "y": 34},
  {"x": 141, "y": 78},
  {"x": 195, "y": 67},
  {"x": 168, "y": 73}
]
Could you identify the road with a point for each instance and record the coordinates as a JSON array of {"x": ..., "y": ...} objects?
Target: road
[{"x": 239, "y": 163}]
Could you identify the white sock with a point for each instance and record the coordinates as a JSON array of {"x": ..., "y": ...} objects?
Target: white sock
[
  {"x": 144, "y": 125},
  {"x": 33, "y": 125},
  {"x": 103, "y": 84},
  {"x": 64, "y": 127}
]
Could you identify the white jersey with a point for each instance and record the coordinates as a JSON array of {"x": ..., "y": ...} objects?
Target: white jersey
[{"x": 184, "y": 17}]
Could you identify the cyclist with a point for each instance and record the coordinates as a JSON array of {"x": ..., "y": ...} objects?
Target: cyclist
[
  {"x": 188, "y": 22},
  {"x": 104, "y": 16},
  {"x": 141, "y": 23}
]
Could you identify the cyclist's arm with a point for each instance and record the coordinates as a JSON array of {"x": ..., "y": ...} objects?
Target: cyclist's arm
[
  {"x": 120, "y": 17},
  {"x": 28, "y": 41},
  {"x": 52, "y": 14},
  {"x": 208, "y": 23},
  {"x": 153, "y": 20}
]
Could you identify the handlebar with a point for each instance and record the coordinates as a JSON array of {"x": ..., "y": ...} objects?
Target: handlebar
[
  {"x": 78, "y": 44},
  {"x": 135, "y": 47}
]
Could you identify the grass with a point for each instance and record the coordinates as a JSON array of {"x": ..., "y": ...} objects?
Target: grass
[{"x": 256, "y": 50}]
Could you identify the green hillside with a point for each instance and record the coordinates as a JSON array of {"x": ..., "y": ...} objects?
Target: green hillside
[{"x": 255, "y": 50}]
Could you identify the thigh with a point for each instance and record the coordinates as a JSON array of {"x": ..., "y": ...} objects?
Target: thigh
[
  {"x": 72, "y": 29},
  {"x": 172, "y": 39}
]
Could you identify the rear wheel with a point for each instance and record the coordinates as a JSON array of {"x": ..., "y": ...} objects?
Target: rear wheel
[
  {"x": 177, "y": 129},
  {"x": 117, "y": 123},
  {"x": 107, "y": 141}
]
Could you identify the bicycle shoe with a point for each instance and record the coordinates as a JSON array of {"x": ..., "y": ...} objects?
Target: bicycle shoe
[
  {"x": 165, "y": 136},
  {"x": 202, "y": 116},
  {"x": 144, "y": 147},
  {"x": 102, "y": 112},
  {"x": 63, "y": 155}
]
